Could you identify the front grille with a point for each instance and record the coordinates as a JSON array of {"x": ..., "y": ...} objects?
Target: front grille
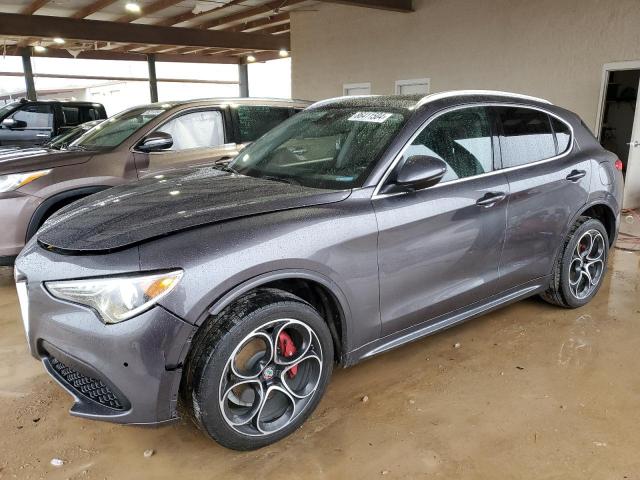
[{"x": 89, "y": 387}]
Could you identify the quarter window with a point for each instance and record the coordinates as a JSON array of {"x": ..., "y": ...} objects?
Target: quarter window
[
  {"x": 256, "y": 120},
  {"x": 526, "y": 136},
  {"x": 201, "y": 129},
  {"x": 563, "y": 134},
  {"x": 461, "y": 138}
]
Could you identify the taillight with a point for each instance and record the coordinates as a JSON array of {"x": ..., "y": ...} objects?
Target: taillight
[{"x": 618, "y": 164}]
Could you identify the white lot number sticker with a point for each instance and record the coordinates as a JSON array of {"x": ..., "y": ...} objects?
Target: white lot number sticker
[{"x": 371, "y": 117}]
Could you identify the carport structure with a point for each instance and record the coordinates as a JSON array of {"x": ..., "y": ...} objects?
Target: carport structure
[{"x": 195, "y": 31}]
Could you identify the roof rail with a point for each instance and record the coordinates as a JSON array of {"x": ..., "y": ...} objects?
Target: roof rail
[{"x": 452, "y": 93}]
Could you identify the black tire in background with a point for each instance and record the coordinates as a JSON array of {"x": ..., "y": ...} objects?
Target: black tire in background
[
  {"x": 212, "y": 369},
  {"x": 576, "y": 255}
]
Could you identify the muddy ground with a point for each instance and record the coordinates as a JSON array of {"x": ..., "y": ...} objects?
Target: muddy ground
[{"x": 532, "y": 391}]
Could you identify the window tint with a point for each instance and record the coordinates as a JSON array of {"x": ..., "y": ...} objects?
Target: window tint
[
  {"x": 36, "y": 116},
  {"x": 202, "y": 129},
  {"x": 563, "y": 134},
  {"x": 254, "y": 120},
  {"x": 526, "y": 136},
  {"x": 71, "y": 115},
  {"x": 461, "y": 138}
]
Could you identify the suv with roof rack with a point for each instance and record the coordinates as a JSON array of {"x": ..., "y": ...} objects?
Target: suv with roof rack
[
  {"x": 355, "y": 227},
  {"x": 145, "y": 140},
  {"x": 29, "y": 123}
]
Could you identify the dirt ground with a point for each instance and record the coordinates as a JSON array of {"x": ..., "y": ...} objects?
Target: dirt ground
[{"x": 531, "y": 391}]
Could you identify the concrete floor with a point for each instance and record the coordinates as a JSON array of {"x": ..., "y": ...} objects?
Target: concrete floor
[{"x": 532, "y": 390}]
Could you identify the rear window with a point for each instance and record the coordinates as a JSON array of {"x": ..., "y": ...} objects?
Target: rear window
[
  {"x": 526, "y": 136},
  {"x": 256, "y": 120}
]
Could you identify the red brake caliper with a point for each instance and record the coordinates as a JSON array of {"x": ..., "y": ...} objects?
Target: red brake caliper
[{"x": 288, "y": 350}]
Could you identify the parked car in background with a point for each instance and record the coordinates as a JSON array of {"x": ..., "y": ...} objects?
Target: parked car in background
[
  {"x": 134, "y": 143},
  {"x": 357, "y": 226},
  {"x": 28, "y": 123}
]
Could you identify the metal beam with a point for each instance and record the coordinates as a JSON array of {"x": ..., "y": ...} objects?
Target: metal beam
[
  {"x": 128, "y": 56},
  {"x": 28, "y": 77},
  {"x": 243, "y": 75},
  {"x": 153, "y": 79},
  {"x": 405, "y": 6},
  {"x": 118, "y": 79},
  {"x": 12, "y": 24}
]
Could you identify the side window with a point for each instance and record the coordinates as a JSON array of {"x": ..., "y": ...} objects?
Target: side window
[
  {"x": 36, "y": 116},
  {"x": 563, "y": 134},
  {"x": 255, "y": 120},
  {"x": 201, "y": 129},
  {"x": 71, "y": 116},
  {"x": 526, "y": 136},
  {"x": 462, "y": 138}
]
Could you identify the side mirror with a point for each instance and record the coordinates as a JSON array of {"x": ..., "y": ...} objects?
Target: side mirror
[
  {"x": 419, "y": 172},
  {"x": 156, "y": 142},
  {"x": 12, "y": 123}
]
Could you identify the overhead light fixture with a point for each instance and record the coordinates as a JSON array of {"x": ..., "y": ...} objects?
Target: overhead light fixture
[
  {"x": 251, "y": 58},
  {"x": 40, "y": 48},
  {"x": 59, "y": 41},
  {"x": 284, "y": 52},
  {"x": 132, "y": 7}
]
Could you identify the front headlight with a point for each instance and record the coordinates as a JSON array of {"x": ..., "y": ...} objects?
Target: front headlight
[
  {"x": 117, "y": 298},
  {"x": 9, "y": 183}
]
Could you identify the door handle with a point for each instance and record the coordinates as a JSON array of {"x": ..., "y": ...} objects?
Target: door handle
[
  {"x": 634, "y": 143},
  {"x": 490, "y": 199},
  {"x": 576, "y": 175},
  {"x": 42, "y": 135}
]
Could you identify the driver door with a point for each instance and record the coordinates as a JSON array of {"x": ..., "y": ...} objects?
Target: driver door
[
  {"x": 38, "y": 121},
  {"x": 198, "y": 139},
  {"x": 439, "y": 248}
]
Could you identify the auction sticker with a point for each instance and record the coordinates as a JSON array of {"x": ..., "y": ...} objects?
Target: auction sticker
[{"x": 372, "y": 117}]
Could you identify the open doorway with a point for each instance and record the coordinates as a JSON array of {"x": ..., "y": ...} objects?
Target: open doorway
[
  {"x": 619, "y": 109},
  {"x": 618, "y": 125}
]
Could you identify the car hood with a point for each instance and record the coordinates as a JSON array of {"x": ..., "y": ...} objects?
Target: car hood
[
  {"x": 164, "y": 204},
  {"x": 27, "y": 159}
]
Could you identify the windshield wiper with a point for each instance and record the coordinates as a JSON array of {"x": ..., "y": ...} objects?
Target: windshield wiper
[
  {"x": 224, "y": 168},
  {"x": 288, "y": 181}
]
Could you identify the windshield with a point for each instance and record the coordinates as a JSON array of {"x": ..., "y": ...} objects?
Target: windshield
[
  {"x": 64, "y": 139},
  {"x": 7, "y": 108},
  {"x": 333, "y": 148},
  {"x": 117, "y": 129}
]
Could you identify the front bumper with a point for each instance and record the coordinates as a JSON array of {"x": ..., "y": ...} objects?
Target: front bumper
[{"x": 124, "y": 373}]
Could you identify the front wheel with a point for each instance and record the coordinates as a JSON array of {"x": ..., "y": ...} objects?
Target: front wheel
[
  {"x": 258, "y": 371},
  {"x": 579, "y": 270}
]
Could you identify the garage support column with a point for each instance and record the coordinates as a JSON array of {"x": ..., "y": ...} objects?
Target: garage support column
[
  {"x": 153, "y": 80},
  {"x": 28, "y": 76},
  {"x": 243, "y": 76}
]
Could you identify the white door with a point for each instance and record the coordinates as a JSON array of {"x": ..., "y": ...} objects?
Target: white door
[
  {"x": 351, "y": 89},
  {"x": 417, "y": 86},
  {"x": 632, "y": 176}
]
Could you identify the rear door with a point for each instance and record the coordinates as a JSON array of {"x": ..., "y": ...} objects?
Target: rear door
[
  {"x": 549, "y": 183},
  {"x": 439, "y": 248},
  {"x": 198, "y": 139}
]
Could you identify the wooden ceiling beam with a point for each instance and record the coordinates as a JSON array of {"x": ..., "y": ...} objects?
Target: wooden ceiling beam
[
  {"x": 405, "y": 6},
  {"x": 33, "y": 7},
  {"x": 92, "y": 8},
  {"x": 260, "y": 23},
  {"x": 189, "y": 15},
  {"x": 148, "y": 10},
  {"x": 271, "y": 7},
  {"x": 93, "y": 30}
]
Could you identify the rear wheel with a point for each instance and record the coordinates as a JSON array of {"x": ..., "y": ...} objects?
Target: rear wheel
[
  {"x": 257, "y": 373},
  {"x": 580, "y": 268}
]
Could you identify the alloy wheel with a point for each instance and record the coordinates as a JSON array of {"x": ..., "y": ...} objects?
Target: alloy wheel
[
  {"x": 587, "y": 264},
  {"x": 270, "y": 377}
]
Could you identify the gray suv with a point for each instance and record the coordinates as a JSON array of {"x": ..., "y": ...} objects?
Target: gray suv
[
  {"x": 354, "y": 227},
  {"x": 140, "y": 141}
]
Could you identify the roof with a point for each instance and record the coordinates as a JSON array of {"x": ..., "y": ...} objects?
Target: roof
[{"x": 229, "y": 101}]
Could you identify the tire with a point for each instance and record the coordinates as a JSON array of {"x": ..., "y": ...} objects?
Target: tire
[
  {"x": 570, "y": 286},
  {"x": 276, "y": 388}
]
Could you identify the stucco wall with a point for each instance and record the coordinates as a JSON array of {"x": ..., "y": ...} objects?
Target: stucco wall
[{"x": 549, "y": 48}]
